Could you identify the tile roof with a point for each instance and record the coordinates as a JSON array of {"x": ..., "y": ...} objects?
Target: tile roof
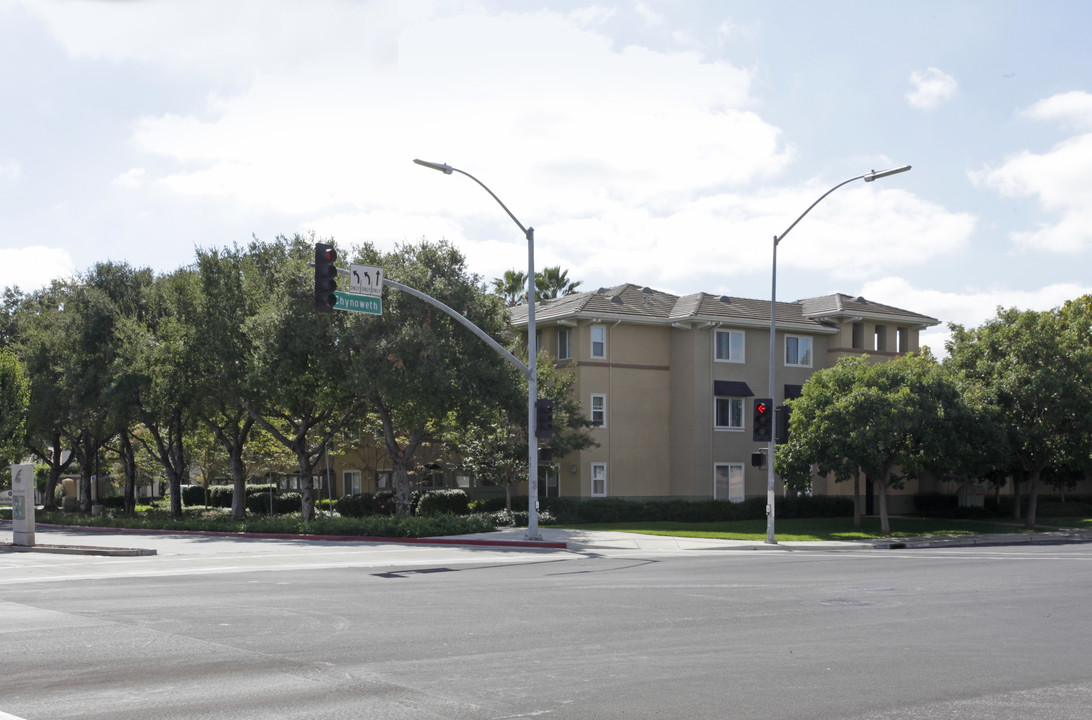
[{"x": 643, "y": 304}]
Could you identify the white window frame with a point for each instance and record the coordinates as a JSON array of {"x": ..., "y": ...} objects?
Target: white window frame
[
  {"x": 350, "y": 482},
  {"x": 716, "y": 415},
  {"x": 600, "y": 330},
  {"x": 565, "y": 351},
  {"x": 599, "y": 474},
  {"x": 736, "y": 485},
  {"x": 602, "y": 410},
  {"x": 730, "y": 334},
  {"x": 800, "y": 340}
]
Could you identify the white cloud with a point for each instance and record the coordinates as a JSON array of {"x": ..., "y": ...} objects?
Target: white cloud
[
  {"x": 650, "y": 16},
  {"x": 33, "y": 267},
  {"x": 1074, "y": 107},
  {"x": 929, "y": 87},
  {"x": 1059, "y": 179},
  {"x": 133, "y": 178},
  {"x": 10, "y": 170}
]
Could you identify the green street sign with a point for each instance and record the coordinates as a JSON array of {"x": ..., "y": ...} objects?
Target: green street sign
[{"x": 359, "y": 303}]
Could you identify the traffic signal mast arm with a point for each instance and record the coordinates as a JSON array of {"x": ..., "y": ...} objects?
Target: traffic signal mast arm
[{"x": 501, "y": 350}]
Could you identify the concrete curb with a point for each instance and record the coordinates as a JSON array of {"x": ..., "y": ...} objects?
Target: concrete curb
[
  {"x": 78, "y": 550},
  {"x": 994, "y": 540},
  {"x": 328, "y": 538}
]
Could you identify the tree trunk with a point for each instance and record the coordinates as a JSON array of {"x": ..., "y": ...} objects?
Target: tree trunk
[
  {"x": 885, "y": 521},
  {"x": 401, "y": 487},
  {"x": 128, "y": 462},
  {"x": 1033, "y": 496},
  {"x": 238, "y": 491},
  {"x": 307, "y": 495},
  {"x": 56, "y": 467},
  {"x": 86, "y": 447}
]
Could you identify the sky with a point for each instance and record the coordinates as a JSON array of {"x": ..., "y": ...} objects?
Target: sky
[{"x": 661, "y": 143}]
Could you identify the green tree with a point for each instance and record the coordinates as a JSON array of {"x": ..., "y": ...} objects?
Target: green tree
[
  {"x": 494, "y": 447},
  {"x": 512, "y": 288},
  {"x": 886, "y": 420},
  {"x": 14, "y": 396},
  {"x": 300, "y": 358},
  {"x": 231, "y": 291},
  {"x": 100, "y": 387},
  {"x": 1033, "y": 369},
  {"x": 156, "y": 366},
  {"x": 553, "y": 282},
  {"x": 415, "y": 364},
  {"x": 38, "y": 329}
]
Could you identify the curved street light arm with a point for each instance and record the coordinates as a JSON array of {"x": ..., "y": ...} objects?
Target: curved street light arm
[
  {"x": 447, "y": 170},
  {"x": 867, "y": 177}
]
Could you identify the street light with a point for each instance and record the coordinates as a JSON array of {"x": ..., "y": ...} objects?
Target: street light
[
  {"x": 532, "y": 353},
  {"x": 770, "y": 475}
]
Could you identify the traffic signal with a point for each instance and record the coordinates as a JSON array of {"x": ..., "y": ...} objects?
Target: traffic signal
[
  {"x": 762, "y": 420},
  {"x": 325, "y": 277},
  {"x": 544, "y": 418},
  {"x": 783, "y": 412}
]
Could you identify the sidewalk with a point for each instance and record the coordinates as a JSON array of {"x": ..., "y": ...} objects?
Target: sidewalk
[{"x": 118, "y": 542}]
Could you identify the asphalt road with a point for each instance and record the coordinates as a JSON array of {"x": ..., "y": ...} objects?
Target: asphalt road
[{"x": 212, "y": 628}]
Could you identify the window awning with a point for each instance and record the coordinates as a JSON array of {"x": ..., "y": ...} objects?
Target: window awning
[{"x": 731, "y": 388}]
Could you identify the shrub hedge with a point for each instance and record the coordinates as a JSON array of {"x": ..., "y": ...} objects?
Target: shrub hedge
[
  {"x": 283, "y": 503},
  {"x": 444, "y": 502},
  {"x": 193, "y": 495},
  {"x": 947, "y": 506}
]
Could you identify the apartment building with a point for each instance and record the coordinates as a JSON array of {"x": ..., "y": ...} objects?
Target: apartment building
[{"x": 670, "y": 381}]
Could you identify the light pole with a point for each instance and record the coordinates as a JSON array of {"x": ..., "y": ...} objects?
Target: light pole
[
  {"x": 532, "y": 353},
  {"x": 770, "y": 475}
]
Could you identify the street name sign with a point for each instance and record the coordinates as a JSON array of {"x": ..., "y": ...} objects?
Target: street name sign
[
  {"x": 365, "y": 280},
  {"x": 359, "y": 303}
]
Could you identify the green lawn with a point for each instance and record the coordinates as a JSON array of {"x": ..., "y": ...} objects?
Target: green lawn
[{"x": 819, "y": 528}]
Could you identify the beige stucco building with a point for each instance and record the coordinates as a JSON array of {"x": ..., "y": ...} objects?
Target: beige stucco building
[{"x": 670, "y": 381}]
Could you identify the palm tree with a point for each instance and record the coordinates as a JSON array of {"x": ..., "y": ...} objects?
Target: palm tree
[
  {"x": 512, "y": 288},
  {"x": 553, "y": 282}
]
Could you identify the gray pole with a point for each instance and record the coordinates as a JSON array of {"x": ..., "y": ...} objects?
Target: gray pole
[
  {"x": 770, "y": 475},
  {"x": 329, "y": 485},
  {"x": 532, "y": 394}
]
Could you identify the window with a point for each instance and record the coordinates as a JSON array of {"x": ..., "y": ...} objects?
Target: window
[
  {"x": 538, "y": 340},
  {"x": 598, "y": 341},
  {"x": 599, "y": 410},
  {"x": 599, "y": 479},
  {"x": 350, "y": 482},
  {"x": 728, "y": 482},
  {"x": 729, "y": 413},
  {"x": 564, "y": 344},
  {"x": 798, "y": 350},
  {"x": 384, "y": 479},
  {"x": 728, "y": 346},
  {"x": 881, "y": 339}
]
